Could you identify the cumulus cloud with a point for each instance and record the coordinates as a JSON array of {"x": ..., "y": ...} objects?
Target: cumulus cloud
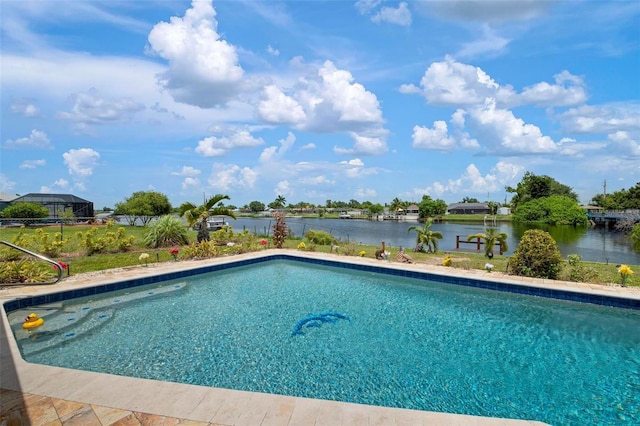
[
  {"x": 364, "y": 145},
  {"x": 473, "y": 182},
  {"x": 214, "y": 146},
  {"x": 225, "y": 177},
  {"x": 32, "y": 164},
  {"x": 283, "y": 188},
  {"x": 278, "y": 108},
  {"x": 366, "y": 193},
  {"x": 190, "y": 182},
  {"x": 503, "y": 132},
  {"x": 324, "y": 100},
  {"x": 57, "y": 186},
  {"x": 25, "y": 108},
  {"x": 602, "y": 118},
  {"x": 273, "y": 51},
  {"x": 274, "y": 153},
  {"x": 624, "y": 143},
  {"x": 203, "y": 68},
  {"x": 81, "y": 162},
  {"x": 90, "y": 108},
  {"x": 187, "y": 171},
  {"x": 399, "y": 16},
  {"x": 36, "y": 139},
  {"x": 569, "y": 90}
]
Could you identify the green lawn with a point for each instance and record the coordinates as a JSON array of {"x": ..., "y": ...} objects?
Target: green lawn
[{"x": 73, "y": 253}]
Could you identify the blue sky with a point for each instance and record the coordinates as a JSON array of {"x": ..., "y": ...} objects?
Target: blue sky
[{"x": 317, "y": 100}]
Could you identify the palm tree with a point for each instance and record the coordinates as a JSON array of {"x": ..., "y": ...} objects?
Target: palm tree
[
  {"x": 426, "y": 237},
  {"x": 199, "y": 214},
  {"x": 491, "y": 236}
]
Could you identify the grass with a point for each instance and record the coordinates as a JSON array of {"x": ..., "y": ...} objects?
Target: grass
[{"x": 72, "y": 253}]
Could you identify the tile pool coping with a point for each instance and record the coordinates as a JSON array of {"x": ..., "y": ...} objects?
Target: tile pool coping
[{"x": 231, "y": 407}]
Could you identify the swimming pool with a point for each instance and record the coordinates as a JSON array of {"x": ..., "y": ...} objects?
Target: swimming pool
[{"x": 402, "y": 342}]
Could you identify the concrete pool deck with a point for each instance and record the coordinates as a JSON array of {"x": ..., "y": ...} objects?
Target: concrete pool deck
[{"x": 42, "y": 395}]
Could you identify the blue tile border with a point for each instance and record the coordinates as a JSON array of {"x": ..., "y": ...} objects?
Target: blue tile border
[{"x": 604, "y": 300}]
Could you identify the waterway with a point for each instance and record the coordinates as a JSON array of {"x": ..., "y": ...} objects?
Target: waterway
[{"x": 592, "y": 244}]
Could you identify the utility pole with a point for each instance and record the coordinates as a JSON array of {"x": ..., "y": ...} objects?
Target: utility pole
[{"x": 605, "y": 188}]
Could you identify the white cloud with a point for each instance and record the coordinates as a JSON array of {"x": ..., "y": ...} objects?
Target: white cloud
[
  {"x": 32, "y": 164},
  {"x": 89, "y": 108},
  {"x": 437, "y": 138},
  {"x": 272, "y": 51},
  {"x": 25, "y": 108},
  {"x": 316, "y": 180},
  {"x": 283, "y": 188},
  {"x": 399, "y": 16},
  {"x": 225, "y": 177},
  {"x": 81, "y": 162},
  {"x": 366, "y": 193},
  {"x": 605, "y": 118},
  {"x": 472, "y": 182},
  {"x": 454, "y": 83},
  {"x": 276, "y": 107},
  {"x": 568, "y": 91},
  {"x": 624, "y": 143},
  {"x": 36, "y": 139},
  {"x": 190, "y": 182},
  {"x": 503, "y": 133},
  {"x": 364, "y": 145},
  {"x": 6, "y": 185},
  {"x": 308, "y": 146},
  {"x": 187, "y": 171},
  {"x": 274, "y": 153},
  {"x": 203, "y": 68},
  {"x": 57, "y": 186},
  {"x": 366, "y": 6},
  {"x": 213, "y": 146}
]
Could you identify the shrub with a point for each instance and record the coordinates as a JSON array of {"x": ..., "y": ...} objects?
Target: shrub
[
  {"x": 201, "y": 250},
  {"x": 41, "y": 242},
  {"x": 166, "y": 232},
  {"x": 109, "y": 241},
  {"x": 537, "y": 256},
  {"x": 576, "y": 271},
  {"x": 24, "y": 210},
  {"x": 25, "y": 271},
  {"x": 320, "y": 237},
  {"x": 280, "y": 230},
  {"x": 348, "y": 249}
]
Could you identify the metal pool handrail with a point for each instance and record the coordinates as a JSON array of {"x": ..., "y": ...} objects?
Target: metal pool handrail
[{"x": 58, "y": 267}]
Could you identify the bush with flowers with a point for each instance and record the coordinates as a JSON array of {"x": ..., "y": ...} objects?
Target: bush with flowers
[
  {"x": 362, "y": 253},
  {"x": 174, "y": 252},
  {"x": 144, "y": 257},
  {"x": 302, "y": 246},
  {"x": 488, "y": 267},
  {"x": 446, "y": 261},
  {"x": 625, "y": 272}
]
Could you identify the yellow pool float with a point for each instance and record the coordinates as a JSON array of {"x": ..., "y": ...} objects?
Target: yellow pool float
[{"x": 32, "y": 321}]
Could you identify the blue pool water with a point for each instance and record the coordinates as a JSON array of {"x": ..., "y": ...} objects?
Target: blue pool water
[{"x": 291, "y": 328}]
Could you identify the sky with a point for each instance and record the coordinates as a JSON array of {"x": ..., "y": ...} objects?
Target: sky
[{"x": 363, "y": 100}]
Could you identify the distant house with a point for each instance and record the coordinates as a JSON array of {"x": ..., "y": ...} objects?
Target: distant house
[
  {"x": 468, "y": 208},
  {"x": 504, "y": 210},
  {"x": 58, "y": 204},
  {"x": 6, "y": 199}
]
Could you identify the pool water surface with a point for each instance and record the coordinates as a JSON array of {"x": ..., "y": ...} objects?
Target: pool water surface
[{"x": 306, "y": 330}]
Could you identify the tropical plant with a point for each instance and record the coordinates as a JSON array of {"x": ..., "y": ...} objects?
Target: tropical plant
[
  {"x": 536, "y": 256},
  {"x": 320, "y": 237},
  {"x": 165, "y": 232},
  {"x": 425, "y": 236},
  {"x": 199, "y": 214},
  {"x": 280, "y": 230},
  {"x": 491, "y": 237},
  {"x": 278, "y": 203}
]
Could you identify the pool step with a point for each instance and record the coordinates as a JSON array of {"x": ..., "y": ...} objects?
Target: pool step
[{"x": 60, "y": 318}]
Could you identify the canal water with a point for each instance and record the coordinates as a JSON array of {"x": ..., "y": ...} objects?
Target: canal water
[{"x": 592, "y": 244}]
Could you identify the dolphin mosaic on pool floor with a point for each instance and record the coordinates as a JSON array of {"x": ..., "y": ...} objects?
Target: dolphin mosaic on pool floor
[{"x": 33, "y": 394}]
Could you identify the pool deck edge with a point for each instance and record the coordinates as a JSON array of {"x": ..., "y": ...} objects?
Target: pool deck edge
[{"x": 222, "y": 406}]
